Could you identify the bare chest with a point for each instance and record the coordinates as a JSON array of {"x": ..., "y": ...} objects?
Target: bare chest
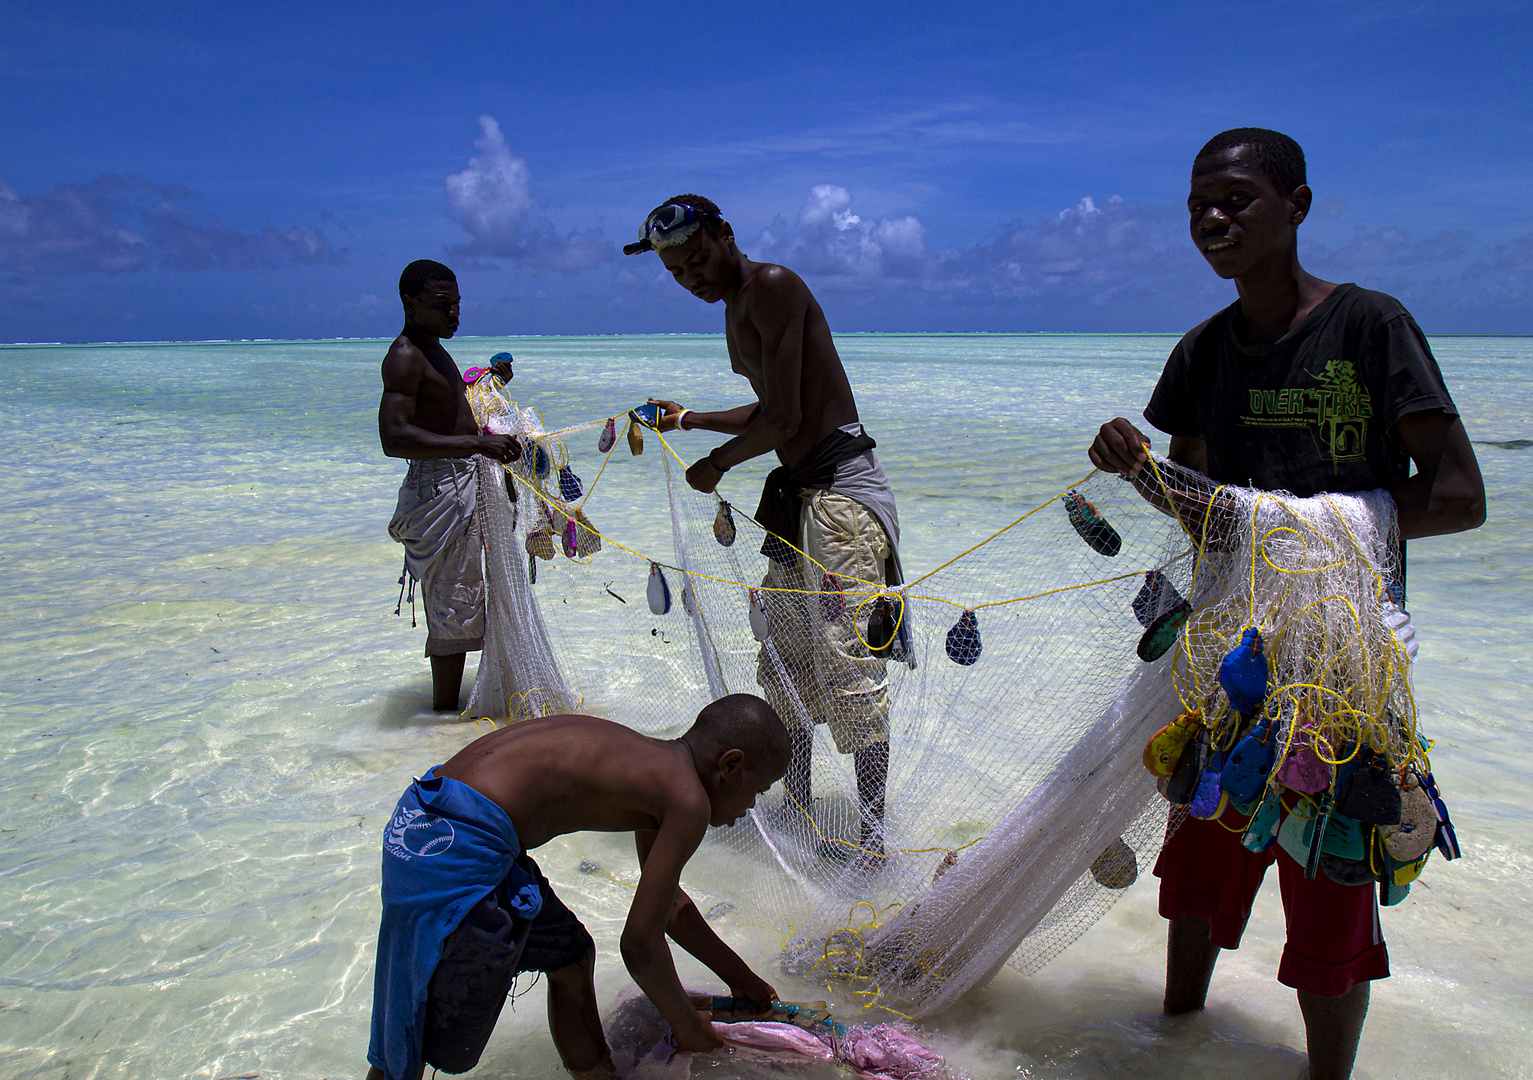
[
  {"x": 744, "y": 344},
  {"x": 441, "y": 406}
]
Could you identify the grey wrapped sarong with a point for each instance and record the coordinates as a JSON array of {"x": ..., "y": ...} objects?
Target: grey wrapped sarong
[{"x": 435, "y": 521}]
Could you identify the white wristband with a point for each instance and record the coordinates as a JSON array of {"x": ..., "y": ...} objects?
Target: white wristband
[{"x": 681, "y": 418}]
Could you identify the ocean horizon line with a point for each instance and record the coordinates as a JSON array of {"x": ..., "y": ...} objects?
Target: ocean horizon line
[{"x": 539, "y": 337}]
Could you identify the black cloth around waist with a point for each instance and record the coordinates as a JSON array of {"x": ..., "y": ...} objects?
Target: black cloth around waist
[{"x": 781, "y": 502}]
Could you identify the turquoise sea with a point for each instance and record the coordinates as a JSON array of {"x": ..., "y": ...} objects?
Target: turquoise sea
[{"x": 208, "y": 708}]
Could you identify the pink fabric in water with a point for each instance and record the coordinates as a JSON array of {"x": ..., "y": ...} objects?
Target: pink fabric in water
[
  {"x": 879, "y": 1052},
  {"x": 884, "y": 1052},
  {"x": 780, "y": 1038}
]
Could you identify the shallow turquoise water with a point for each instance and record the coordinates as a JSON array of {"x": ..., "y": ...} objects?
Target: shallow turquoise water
[{"x": 209, "y": 708}]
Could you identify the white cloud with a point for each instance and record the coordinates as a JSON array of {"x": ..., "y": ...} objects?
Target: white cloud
[
  {"x": 116, "y": 224},
  {"x": 492, "y": 201},
  {"x": 1084, "y": 252},
  {"x": 1390, "y": 247},
  {"x": 827, "y": 238},
  {"x": 1101, "y": 264},
  {"x": 495, "y": 192},
  {"x": 828, "y": 204}
]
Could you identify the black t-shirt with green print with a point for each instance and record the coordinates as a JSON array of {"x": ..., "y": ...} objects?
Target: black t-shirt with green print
[{"x": 1312, "y": 412}]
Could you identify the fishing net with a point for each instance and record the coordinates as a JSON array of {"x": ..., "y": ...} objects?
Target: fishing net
[
  {"x": 1024, "y": 679},
  {"x": 1318, "y": 578},
  {"x": 519, "y": 674}
]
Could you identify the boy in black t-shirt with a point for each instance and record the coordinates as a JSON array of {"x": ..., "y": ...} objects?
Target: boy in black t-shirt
[{"x": 1305, "y": 386}]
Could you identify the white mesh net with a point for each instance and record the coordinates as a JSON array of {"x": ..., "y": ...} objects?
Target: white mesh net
[
  {"x": 519, "y": 675},
  {"x": 1017, "y": 804}
]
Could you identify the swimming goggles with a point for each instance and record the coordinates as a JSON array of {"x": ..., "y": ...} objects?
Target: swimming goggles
[{"x": 667, "y": 225}]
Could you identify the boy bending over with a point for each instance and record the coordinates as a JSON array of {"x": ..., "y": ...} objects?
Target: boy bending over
[{"x": 465, "y": 909}]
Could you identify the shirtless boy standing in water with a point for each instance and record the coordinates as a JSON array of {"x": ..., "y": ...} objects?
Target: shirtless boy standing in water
[
  {"x": 830, "y": 500},
  {"x": 424, "y": 416},
  {"x": 465, "y": 909}
]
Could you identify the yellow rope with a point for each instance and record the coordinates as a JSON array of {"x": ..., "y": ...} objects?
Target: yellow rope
[
  {"x": 874, "y": 590},
  {"x": 599, "y": 472},
  {"x": 998, "y": 532}
]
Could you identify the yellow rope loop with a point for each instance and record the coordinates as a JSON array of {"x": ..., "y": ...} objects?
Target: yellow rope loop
[
  {"x": 843, "y": 954},
  {"x": 524, "y": 710},
  {"x": 1304, "y": 539},
  {"x": 898, "y": 622},
  {"x": 873, "y": 913}
]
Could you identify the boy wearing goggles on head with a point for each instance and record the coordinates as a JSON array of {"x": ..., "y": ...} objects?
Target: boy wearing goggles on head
[{"x": 828, "y": 509}]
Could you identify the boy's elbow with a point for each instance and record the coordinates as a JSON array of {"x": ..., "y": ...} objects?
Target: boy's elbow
[
  {"x": 1460, "y": 511},
  {"x": 1466, "y": 502},
  {"x": 386, "y": 437},
  {"x": 1472, "y": 514},
  {"x": 390, "y": 438}
]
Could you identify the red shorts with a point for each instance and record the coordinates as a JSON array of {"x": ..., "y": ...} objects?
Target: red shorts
[{"x": 1334, "y": 941}]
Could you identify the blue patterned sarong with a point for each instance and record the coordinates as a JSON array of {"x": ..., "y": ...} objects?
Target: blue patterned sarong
[{"x": 446, "y": 848}]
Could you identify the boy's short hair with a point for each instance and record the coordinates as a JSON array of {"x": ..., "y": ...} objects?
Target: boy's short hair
[
  {"x": 1277, "y": 157},
  {"x": 742, "y": 722},
  {"x": 419, "y": 273}
]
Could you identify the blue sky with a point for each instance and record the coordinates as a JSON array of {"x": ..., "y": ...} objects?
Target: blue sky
[{"x": 191, "y": 171}]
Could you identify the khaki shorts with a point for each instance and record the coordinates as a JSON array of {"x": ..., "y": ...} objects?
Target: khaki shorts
[{"x": 815, "y": 670}]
